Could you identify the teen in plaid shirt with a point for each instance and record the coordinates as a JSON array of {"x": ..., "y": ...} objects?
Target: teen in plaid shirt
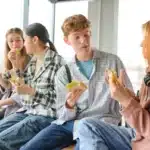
[{"x": 37, "y": 95}]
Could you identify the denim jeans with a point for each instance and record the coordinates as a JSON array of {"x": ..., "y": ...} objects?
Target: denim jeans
[
  {"x": 17, "y": 129},
  {"x": 98, "y": 135},
  {"x": 53, "y": 137}
]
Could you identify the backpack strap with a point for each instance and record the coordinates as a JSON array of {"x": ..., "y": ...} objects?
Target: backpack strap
[{"x": 68, "y": 73}]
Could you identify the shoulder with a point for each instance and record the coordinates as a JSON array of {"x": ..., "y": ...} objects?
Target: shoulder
[
  {"x": 61, "y": 76},
  {"x": 58, "y": 58},
  {"x": 105, "y": 56},
  {"x": 62, "y": 73}
]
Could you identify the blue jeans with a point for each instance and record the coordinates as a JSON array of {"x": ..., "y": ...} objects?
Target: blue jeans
[
  {"x": 98, "y": 135},
  {"x": 17, "y": 129},
  {"x": 53, "y": 137}
]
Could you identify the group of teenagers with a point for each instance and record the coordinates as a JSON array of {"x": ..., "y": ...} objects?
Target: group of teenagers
[{"x": 39, "y": 113}]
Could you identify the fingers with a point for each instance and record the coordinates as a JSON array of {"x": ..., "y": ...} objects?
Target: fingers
[
  {"x": 73, "y": 96},
  {"x": 146, "y": 105},
  {"x": 116, "y": 86},
  {"x": 113, "y": 85},
  {"x": 122, "y": 77},
  {"x": 69, "y": 95},
  {"x": 76, "y": 95},
  {"x": 120, "y": 81},
  {"x": 21, "y": 89},
  {"x": 17, "y": 89},
  {"x": 12, "y": 55},
  {"x": 130, "y": 92}
]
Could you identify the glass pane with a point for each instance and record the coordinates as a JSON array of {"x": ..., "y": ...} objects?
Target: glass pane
[
  {"x": 40, "y": 11},
  {"x": 63, "y": 10},
  {"x": 132, "y": 14},
  {"x": 11, "y": 14}
]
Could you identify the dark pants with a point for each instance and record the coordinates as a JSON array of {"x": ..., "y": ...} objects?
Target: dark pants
[{"x": 53, "y": 137}]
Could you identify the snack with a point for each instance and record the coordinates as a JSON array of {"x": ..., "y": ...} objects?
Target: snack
[
  {"x": 13, "y": 79},
  {"x": 16, "y": 80},
  {"x": 74, "y": 84},
  {"x": 112, "y": 75},
  {"x": 18, "y": 51}
]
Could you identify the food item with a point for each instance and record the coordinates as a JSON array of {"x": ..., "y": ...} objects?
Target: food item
[
  {"x": 16, "y": 80},
  {"x": 112, "y": 75},
  {"x": 13, "y": 79},
  {"x": 18, "y": 51},
  {"x": 74, "y": 84}
]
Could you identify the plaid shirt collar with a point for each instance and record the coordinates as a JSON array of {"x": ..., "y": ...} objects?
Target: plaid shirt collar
[{"x": 48, "y": 58}]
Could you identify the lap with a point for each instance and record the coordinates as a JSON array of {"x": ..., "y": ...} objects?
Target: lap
[
  {"x": 52, "y": 137},
  {"x": 11, "y": 120},
  {"x": 26, "y": 123},
  {"x": 97, "y": 131},
  {"x": 55, "y": 130},
  {"x": 98, "y": 124},
  {"x": 24, "y": 130}
]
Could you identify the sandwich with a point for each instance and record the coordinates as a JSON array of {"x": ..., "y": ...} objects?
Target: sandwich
[
  {"x": 112, "y": 75},
  {"x": 76, "y": 84}
]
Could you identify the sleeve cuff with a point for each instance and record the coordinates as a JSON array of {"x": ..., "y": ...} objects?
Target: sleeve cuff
[
  {"x": 17, "y": 98},
  {"x": 68, "y": 108},
  {"x": 68, "y": 114}
]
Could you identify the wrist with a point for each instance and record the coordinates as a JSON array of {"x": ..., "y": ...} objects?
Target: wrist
[
  {"x": 69, "y": 104},
  {"x": 32, "y": 91},
  {"x": 14, "y": 66},
  {"x": 126, "y": 101}
]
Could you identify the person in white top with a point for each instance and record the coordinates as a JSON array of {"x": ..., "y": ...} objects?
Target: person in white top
[{"x": 36, "y": 94}]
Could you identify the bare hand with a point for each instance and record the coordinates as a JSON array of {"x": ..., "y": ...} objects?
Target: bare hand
[
  {"x": 119, "y": 92},
  {"x": 12, "y": 57},
  {"x": 25, "y": 89},
  {"x": 121, "y": 80},
  {"x": 73, "y": 96},
  {"x": 16, "y": 81}
]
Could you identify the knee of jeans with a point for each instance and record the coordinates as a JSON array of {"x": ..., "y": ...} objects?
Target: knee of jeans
[
  {"x": 22, "y": 148},
  {"x": 83, "y": 126}
]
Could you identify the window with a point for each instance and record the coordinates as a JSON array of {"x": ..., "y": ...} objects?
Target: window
[
  {"x": 41, "y": 11},
  {"x": 11, "y": 14},
  {"x": 132, "y": 14},
  {"x": 64, "y": 10}
]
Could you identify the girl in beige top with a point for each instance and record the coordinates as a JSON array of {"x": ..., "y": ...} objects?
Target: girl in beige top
[{"x": 12, "y": 62}]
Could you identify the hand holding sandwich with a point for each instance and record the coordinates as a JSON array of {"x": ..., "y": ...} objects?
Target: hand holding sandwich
[
  {"x": 75, "y": 89},
  {"x": 118, "y": 90}
]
